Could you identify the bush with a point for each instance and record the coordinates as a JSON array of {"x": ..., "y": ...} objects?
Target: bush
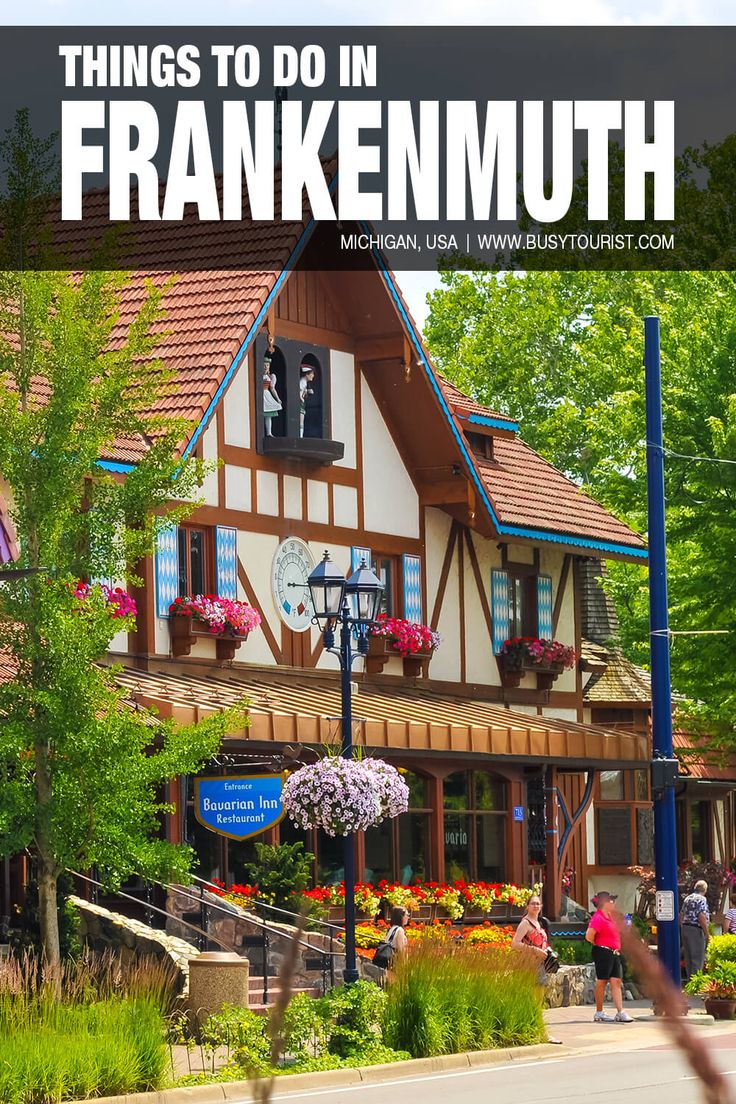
[
  {"x": 573, "y": 952},
  {"x": 282, "y": 872},
  {"x": 244, "y": 1034},
  {"x": 721, "y": 948},
  {"x": 445, "y": 999}
]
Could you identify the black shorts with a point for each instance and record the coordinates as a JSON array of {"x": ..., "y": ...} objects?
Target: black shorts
[{"x": 607, "y": 963}]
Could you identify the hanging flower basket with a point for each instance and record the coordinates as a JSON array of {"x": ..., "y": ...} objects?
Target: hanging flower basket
[
  {"x": 392, "y": 636},
  {"x": 343, "y": 796},
  {"x": 228, "y": 621},
  {"x": 547, "y": 659}
]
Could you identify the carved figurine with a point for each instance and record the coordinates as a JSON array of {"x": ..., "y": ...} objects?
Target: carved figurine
[
  {"x": 307, "y": 375},
  {"x": 271, "y": 401}
]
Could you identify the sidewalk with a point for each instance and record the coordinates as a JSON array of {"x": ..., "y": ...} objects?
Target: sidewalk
[{"x": 574, "y": 1027}]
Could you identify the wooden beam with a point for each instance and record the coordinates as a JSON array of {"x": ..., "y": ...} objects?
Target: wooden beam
[
  {"x": 442, "y": 585},
  {"x": 265, "y": 627},
  {"x": 482, "y": 595},
  {"x": 380, "y": 348},
  {"x": 561, "y": 587},
  {"x": 442, "y": 493}
]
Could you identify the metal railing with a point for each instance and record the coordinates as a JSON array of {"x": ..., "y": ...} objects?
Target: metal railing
[{"x": 324, "y": 960}]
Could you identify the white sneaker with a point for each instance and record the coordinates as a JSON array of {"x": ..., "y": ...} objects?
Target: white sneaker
[
  {"x": 623, "y": 1017},
  {"x": 603, "y": 1017}
]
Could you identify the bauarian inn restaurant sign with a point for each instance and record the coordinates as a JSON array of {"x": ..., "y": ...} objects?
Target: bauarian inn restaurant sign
[{"x": 239, "y": 807}]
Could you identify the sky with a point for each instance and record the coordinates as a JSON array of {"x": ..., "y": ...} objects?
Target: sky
[{"x": 415, "y": 285}]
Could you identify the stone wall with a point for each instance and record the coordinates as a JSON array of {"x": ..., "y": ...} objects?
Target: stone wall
[{"x": 102, "y": 930}]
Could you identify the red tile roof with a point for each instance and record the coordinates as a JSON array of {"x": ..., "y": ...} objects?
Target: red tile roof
[
  {"x": 527, "y": 491},
  {"x": 464, "y": 406}
]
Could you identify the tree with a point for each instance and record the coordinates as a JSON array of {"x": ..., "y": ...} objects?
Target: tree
[
  {"x": 562, "y": 352},
  {"x": 80, "y": 766}
]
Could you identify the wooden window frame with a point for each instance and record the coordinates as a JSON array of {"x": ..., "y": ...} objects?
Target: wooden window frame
[
  {"x": 472, "y": 811},
  {"x": 628, "y": 801},
  {"x": 209, "y": 573},
  {"x": 397, "y": 589}
]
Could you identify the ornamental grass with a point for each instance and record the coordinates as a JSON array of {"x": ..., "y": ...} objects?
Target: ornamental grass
[
  {"x": 104, "y": 1036},
  {"x": 444, "y": 998}
]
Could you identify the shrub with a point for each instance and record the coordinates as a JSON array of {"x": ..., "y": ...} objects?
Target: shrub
[
  {"x": 244, "y": 1034},
  {"x": 448, "y": 998},
  {"x": 573, "y": 952},
  {"x": 721, "y": 948},
  {"x": 282, "y": 873}
]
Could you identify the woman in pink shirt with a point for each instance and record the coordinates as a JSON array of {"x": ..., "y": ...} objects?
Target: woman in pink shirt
[{"x": 603, "y": 933}]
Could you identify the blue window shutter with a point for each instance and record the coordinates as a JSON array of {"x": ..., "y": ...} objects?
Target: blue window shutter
[
  {"x": 544, "y": 607},
  {"x": 167, "y": 569},
  {"x": 358, "y": 554},
  {"x": 413, "y": 588},
  {"x": 226, "y": 550},
  {"x": 500, "y": 609}
]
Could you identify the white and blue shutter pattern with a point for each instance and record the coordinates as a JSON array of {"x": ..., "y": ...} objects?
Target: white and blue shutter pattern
[
  {"x": 413, "y": 588},
  {"x": 226, "y": 555},
  {"x": 544, "y": 607},
  {"x": 500, "y": 609},
  {"x": 357, "y": 555},
  {"x": 167, "y": 569}
]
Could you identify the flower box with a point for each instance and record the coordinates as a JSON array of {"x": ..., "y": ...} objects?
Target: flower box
[
  {"x": 225, "y": 620},
  {"x": 546, "y": 659},
  {"x": 394, "y": 636},
  {"x": 380, "y": 651},
  {"x": 185, "y": 630}
]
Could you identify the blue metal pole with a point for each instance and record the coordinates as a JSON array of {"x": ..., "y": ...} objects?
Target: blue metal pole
[
  {"x": 346, "y": 659},
  {"x": 665, "y": 838}
]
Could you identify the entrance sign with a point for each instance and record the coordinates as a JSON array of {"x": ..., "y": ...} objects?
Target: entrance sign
[
  {"x": 665, "y": 904},
  {"x": 239, "y": 807},
  {"x": 518, "y": 812}
]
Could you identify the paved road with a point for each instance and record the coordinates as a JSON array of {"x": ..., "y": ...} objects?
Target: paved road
[{"x": 637, "y": 1077}]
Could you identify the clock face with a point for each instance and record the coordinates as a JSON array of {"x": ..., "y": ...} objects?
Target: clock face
[{"x": 292, "y": 565}]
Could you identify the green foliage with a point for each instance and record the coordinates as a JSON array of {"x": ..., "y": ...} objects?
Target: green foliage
[
  {"x": 562, "y": 353},
  {"x": 717, "y": 980},
  {"x": 642, "y": 926},
  {"x": 244, "y": 1034},
  {"x": 721, "y": 949},
  {"x": 443, "y": 1001},
  {"x": 354, "y": 1013},
  {"x": 101, "y": 1033},
  {"x": 80, "y": 768},
  {"x": 573, "y": 952},
  {"x": 282, "y": 872},
  {"x": 25, "y": 931}
]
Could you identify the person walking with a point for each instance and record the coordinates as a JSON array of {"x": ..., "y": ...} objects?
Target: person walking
[
  {"x": 394, "y": 944},
  {"x": 604, "y": 935},
  {"x": 695, "y": 920},
  {"x": 729, "y": 926}
]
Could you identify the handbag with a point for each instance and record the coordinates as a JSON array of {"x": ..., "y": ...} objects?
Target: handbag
[{"x": 551, "y": 963}]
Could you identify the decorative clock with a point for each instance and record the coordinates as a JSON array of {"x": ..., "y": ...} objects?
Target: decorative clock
[{"x": 292, "y": 566}]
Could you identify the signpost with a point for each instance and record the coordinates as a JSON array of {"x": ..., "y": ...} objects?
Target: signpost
[{"x": 239, "y": 807}]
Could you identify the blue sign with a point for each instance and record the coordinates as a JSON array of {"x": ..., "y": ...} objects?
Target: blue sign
[
  {"x": 518, "y": 812},
  {"x": 239, "y": 807}
]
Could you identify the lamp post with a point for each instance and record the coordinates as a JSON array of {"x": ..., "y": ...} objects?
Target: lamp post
[{"x": 352, "y": 605}]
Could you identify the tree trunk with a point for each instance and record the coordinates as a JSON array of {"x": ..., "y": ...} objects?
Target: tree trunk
[{"x": 49, "y": 918}]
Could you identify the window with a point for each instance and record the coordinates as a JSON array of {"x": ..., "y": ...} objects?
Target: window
[
  {"x": 398, "y": 849},
  {"x": 385, "y": 569},
  {"x": 192, "y": 561},
  {"x": 475, "y": 826},
  {"x": 612, "y": 785}
]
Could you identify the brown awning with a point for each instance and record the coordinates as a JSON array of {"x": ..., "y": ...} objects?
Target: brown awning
[{"x": 296, "y": 707}]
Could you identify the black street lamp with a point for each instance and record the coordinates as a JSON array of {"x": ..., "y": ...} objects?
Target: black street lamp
[{"x": 353, "y": 604}]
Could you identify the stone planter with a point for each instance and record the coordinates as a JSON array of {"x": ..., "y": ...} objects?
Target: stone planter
[
  {"x": 513, "y": 668},
  {"x": 720, "y": 1008}
]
